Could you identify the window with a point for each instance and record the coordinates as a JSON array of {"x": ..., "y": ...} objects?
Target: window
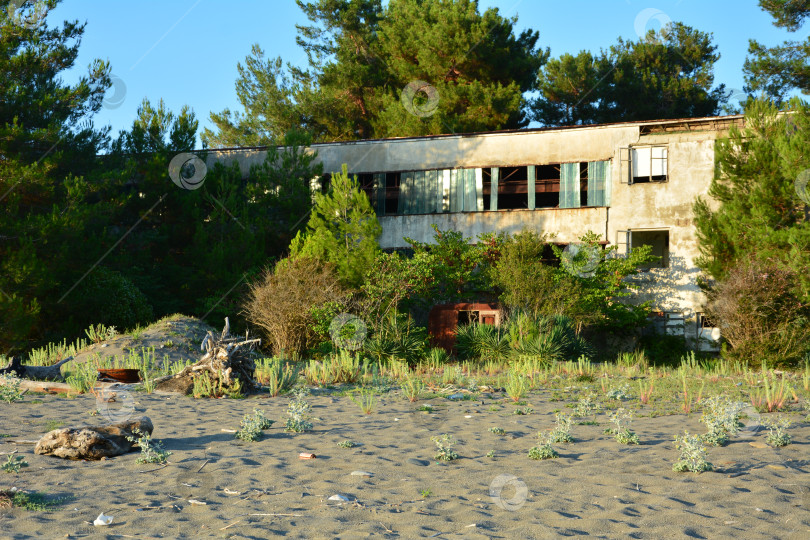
[
  {"x": 647, "y": 164},
  {"x": 658, "y": 240}
]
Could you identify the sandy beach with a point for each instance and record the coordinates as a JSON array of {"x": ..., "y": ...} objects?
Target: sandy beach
[{"x": 597, "y": 487}]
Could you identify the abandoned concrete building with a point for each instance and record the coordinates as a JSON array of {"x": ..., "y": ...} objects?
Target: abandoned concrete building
[{"x": 632, "y": 183}]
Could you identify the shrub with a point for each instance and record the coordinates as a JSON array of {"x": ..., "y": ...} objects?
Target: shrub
[
  {"x": 546, "y": 339},
  {"x": 760, "y": 315},
  {"x": 692, "y": 454},
  {"x": 544, "y": 450},
  {"x": 721, "y": 416},
  {"x": 151, "y": 451},
  {"x": 776, "y": 432},
  {"x": 10, "y": 388},
  {"x": 13, "y": 464},
  {"x": 562, "y": 431},
  {"x": 281, "y": 302},
  {"x": 299, "y": 413},
  {"x": 252, "y": 426},
  {"x": 444, "y": 444},
  {"x": 111, "y": 299},
  {"x": 485, "y": 342},
  {"x": 276, "y": 374}
]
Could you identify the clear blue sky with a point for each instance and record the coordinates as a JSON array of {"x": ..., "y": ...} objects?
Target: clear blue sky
[{"x": 186, "y": 51}]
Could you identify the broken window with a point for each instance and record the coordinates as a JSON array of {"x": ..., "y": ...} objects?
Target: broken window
[
  {"x": 648, "y": 164},
  {"x": 659, "y": 242}
]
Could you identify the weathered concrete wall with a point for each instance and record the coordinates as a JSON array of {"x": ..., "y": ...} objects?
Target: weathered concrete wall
[
  {"x": 567, "y": 224},
  {"x": 666, "y": 205},
  {"x": 457, "y": 151}
]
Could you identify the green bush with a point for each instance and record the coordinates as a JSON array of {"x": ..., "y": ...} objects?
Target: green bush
[{"x": 109, "y": 298}]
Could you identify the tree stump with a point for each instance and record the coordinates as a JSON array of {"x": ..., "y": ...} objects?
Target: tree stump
[{"x": 227, "y": 362}]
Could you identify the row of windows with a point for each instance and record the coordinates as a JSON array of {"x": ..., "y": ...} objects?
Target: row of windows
[{"x": 560, "y": 185}]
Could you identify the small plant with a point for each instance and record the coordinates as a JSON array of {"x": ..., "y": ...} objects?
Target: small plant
[
  {"x": 347, "y": 444},
  {"x": 690, "y": 399},
  {"x": 425, "y": 493},
  {"x": 721, "y": 416},
  {"x": 544, "y": 449},
  {"x": 497, "y": 431},
  {"x": 14, "y": 464},
  {"x": 622, "y": 418},
  {"x": 645, "y": 391},
  {"x": 562, "y": 431},
  {"x": 773, "y": 396},
  {"x": 426, "y": 408},
  {"x": 35, "y": 502},
  {"x": 278, "y": 376},
  {"x": 98, "y": 333},
  {"x": 445, "y": 444},
  {"x": 299, "y": 413},
  {"x": 524, "y": 411},
  {"x": 151, "y": 451},
  {"x": 619, "y": 393},
  {"x": 253, "y": 425},
  {"x": 491, "y": 454},
  {"x": 692, "y": 454},
  {"x": 776, "y": 432},
  {"x": 516, "y": 386},
  {"x": 412, "y": 387},
  {"x": 586, "y": 406},
  {"x": 83, "y": 378},
  {"x": 10, "y": 388},
  {"x": 364, "y": 398}
]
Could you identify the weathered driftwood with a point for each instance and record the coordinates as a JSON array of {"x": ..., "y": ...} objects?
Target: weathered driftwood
[
  {"x": 93, "y": 442},
  {"x": 226, "y": 360},
  {"x": 49, "y": 373}
]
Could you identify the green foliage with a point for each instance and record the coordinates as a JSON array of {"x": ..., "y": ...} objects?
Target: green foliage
[
  {"x": 759, "y": 211},
  {"x": 83, "y": 377},
  {"x": 362, "y": 54},
  {"x": 621, "y": 418},
  {"x": 692, "y": 454},
  {"x": 112, "y": 299},
  {"x": 276, "y": 374},
  {"x": 10, "y": 388},
  {"x": 412, "y": 388},
  {"x": 588, "y": 292},
  {"x": 364, "y": 398},
  {"x": 299, "y": 413},
  {"x": 13, "y": 464},
  {"x": 99, "y": 332},
  {"x": 151, "y": 451},
  {"x": 516, "y": 386},
  {"x": 398, "y": 338},
  {"x": 544, "y": 450},
  {"x": 665, "y": 74},
  {"x": 485, "y": 342},
  {"x": 776, "y": 71},
  {"x": 342, "y": 230},
  {"x": 444, "y": 444},
  {"x": 777, "y": 436},
  {"x": 544, "y": 338},
  {"x": 721, "y": 416},
  {"x": 562, "y": 431},
  {"x": 497, "y": 431},
  {"x": 252, "y": 426},
  {"x": 346, "y": 444}
]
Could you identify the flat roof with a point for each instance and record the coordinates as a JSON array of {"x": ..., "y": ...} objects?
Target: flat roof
[{"x": 652, "y": 126}]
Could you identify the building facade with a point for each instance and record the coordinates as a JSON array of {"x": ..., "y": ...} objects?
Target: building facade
[{"x": 631, "y": 183}]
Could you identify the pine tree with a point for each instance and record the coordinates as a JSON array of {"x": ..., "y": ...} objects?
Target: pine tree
[
  {"x": 342, "y": 230},
  {"x": 665, "y": 74},
  {"x": 760, "y": 194},
  {"x": 777, "y": 70}
]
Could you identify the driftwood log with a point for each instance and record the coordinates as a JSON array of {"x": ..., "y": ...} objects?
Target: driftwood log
[
  {"x": 93, "y": 442},
  {"x": 226, "y": 360},
  {"x": 43, "y": 373}
]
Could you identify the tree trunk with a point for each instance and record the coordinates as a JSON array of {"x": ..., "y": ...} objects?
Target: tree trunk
[{"x": 45, "y": 373}]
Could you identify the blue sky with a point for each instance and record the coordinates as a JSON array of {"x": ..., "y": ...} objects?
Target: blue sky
[{"x": 186, "y": 51}]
